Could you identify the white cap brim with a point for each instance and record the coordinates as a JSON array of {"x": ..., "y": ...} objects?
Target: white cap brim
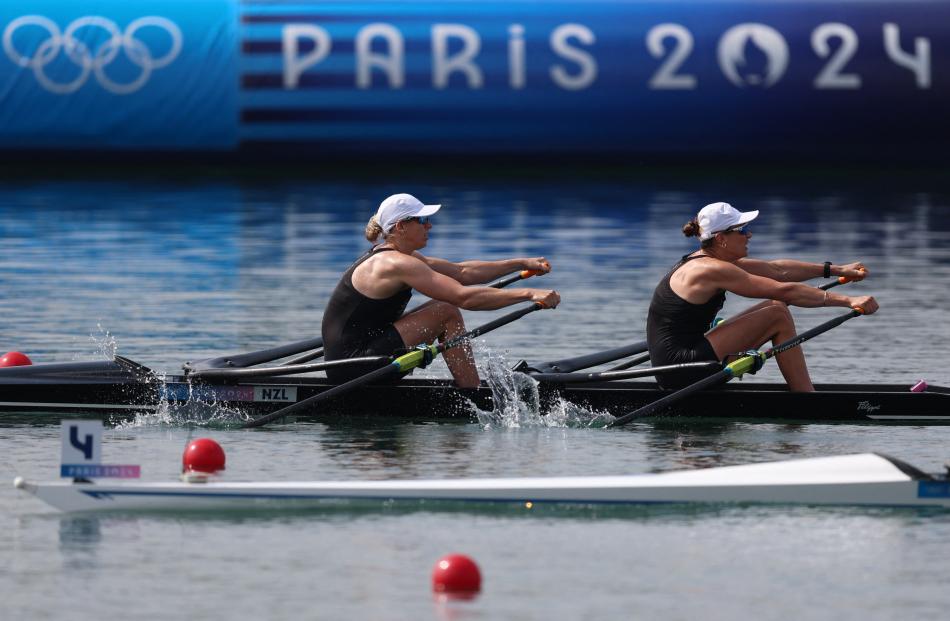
[
  {"x": 428, "y": 210},
  {"x": 747, "y": 217}
]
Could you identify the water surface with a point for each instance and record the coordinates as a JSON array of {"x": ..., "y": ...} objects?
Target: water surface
[{"x": 164, "y": 271}]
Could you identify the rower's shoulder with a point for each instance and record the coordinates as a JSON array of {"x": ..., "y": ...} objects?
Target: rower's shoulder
[
  {"x": 696, "y": 263},
  {"x": 706, "y": 267},
  {"x": 390, "y": 262}
]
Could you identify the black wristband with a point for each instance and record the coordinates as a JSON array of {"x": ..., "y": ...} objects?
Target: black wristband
[{"x": 827, "y": 269}]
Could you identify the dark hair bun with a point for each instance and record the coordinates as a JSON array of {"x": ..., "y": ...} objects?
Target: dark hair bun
[{"x": 691, "y": 228}]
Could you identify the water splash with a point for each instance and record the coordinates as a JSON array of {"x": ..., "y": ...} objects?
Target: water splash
[
  {"x": 518, "y": 401},
  {"x": 105, "y": 343},
  {"x": 194, "y": 408}
]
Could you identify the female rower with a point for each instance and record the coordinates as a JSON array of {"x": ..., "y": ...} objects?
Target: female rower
[
  {"x": 364, "y": 316},
  {"x": 686, "y": 301}
]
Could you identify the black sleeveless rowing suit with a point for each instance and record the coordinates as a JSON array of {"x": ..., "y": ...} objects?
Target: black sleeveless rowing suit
[
  {"x": 676, "y": 331},
  {"x": 355, "y": 325}
]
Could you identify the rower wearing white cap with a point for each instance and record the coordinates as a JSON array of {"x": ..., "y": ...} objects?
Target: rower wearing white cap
[
  {"x": 364, "y": 316},
  {"x": 686, "y": 301}
]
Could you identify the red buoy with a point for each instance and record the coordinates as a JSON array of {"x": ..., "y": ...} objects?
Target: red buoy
[
  {"x": 456, "y": 573},
  {"x": 203, "y": 455},
  {"x": 15, "y": 359}
]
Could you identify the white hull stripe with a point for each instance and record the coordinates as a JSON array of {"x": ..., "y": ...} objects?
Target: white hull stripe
[{"x": 907, "y": 417}]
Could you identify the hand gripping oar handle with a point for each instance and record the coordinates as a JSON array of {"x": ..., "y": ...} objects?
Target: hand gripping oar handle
[
  {"x": 734, "y": 369},
  {"x": 840, "y": 280},
  {"x": 513, "y": 278},
  {"x": 401, "y": 364}
]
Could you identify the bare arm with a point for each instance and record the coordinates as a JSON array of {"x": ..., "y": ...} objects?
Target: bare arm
[
  {"x": 478, "y": 272},
  {"x": 418, "y": 275},
  {"x": 789, "y": 270},
  {"x": 723, "y": 275}
]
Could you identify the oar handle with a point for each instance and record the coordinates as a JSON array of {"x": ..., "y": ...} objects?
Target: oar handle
[
  {"x": 513, "y": 278},
  {"x": 840, "y": 280}
]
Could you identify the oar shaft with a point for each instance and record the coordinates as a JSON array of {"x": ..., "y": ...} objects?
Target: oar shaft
[
  {"x": 317, "y": 353},
  {"x": 663, "y": 402},
  {"x": 401, "y": 364},
  {"x": 372, "y": 376},
  {"x": 635, "y": 361},
  {"x": 576, "y": 363},
  {"x": 808, "y": 334},
  {"x": 568, "y": 365},
  {"x": 609, "y": 376},
  {"x": 501, "y": 283},
  {"x": 733, "y": 369},
  {"x": 491, "y": 325},
  {"x": 286, "y": 369},
  {"x": 251, "y": 359}
]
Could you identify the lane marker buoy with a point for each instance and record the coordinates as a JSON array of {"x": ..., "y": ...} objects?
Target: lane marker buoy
[
  {"x": 456, "y": 573},
  {"x": 15, "y": 359},
  {"x": 203, "y": 455}
]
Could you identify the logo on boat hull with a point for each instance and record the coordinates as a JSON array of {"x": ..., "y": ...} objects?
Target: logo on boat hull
[
  {"x": 275, "y": 393},
  {"x": 867, "y": 406}
]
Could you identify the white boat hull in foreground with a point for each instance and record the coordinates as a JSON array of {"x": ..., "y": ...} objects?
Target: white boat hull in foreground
[{"x": 864, "y": 480}]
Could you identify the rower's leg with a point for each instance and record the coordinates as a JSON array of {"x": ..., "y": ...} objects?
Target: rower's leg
[
  {"x": 768, "y": 321},
  {"x": 443, "y": 321}
]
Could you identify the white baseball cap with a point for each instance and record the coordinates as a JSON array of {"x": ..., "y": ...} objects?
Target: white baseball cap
[
  {"x": 717, "y": 217},
  {"x": 400, "y": 207}
]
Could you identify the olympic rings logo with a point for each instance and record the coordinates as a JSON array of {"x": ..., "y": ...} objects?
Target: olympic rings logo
[{"x": 92, "y": 62}]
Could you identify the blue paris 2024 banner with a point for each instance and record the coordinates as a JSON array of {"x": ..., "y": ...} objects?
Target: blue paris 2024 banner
[{"x": 700, "y": 77}]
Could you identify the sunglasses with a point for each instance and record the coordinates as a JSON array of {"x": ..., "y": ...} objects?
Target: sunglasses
[
  {"x": 744, "y": 230},
  {"x": 420, "y": 219}
]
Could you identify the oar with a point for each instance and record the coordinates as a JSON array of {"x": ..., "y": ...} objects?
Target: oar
[
  {"x": 501, "y": 283},
  {"x": 635, "y": 361},
  {"x": 403, "y": 363},
  {"x": 746, "y": 363},
  {"x": 286, "y": 369},
  {"x": 586, "y": 361},
  {"x": 609, "y": 376},
  {"x": 252, "y": 358},
  {"x": 840, "y": 280},
  {"x": 217, "y": 367}
]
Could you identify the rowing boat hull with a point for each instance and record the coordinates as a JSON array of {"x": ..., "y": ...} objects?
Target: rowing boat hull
[
  {"x": 112, "y": 391},
  {"x": 850, "y": 480}
]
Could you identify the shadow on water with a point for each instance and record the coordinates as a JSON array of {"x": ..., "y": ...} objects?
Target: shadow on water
[{"x": 81, "y": 535}]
